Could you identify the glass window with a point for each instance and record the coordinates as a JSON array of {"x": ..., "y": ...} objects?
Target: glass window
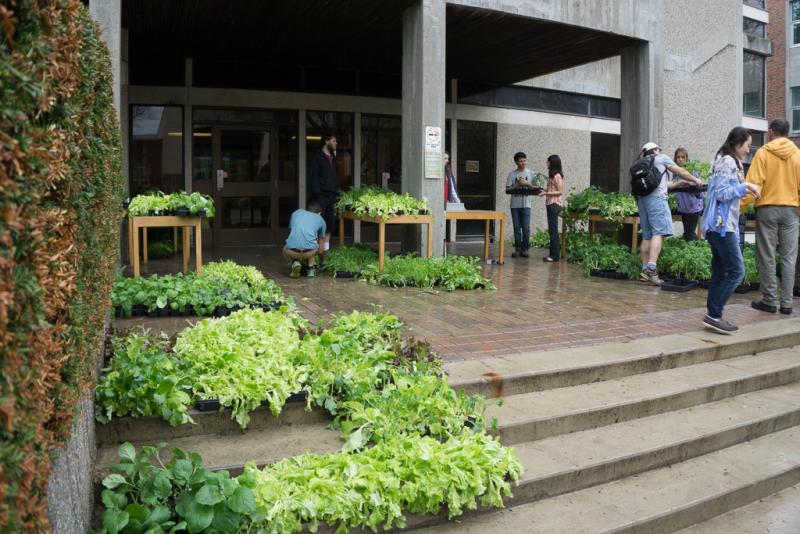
[
  {"x": 156, "y": 149},
  {"x": 795, "y": 109},
  {"x": 381, "y": 151},
  {"x": 754, "y": 85},
  {"x": 318, "y": 123},
  {"x": 755, "y": 3},
  {"x": 754, "y": 27},
  {"x": 795, "y": 22}
]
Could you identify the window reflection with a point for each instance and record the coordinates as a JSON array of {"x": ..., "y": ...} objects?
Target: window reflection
[{"x": 156, "y": 149}]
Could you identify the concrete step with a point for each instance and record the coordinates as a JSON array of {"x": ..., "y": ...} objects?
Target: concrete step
[
  {"x": 522, "y": 373},
  {"x": 232, "y": 450},
  {"x": 156, "y": 429},
  {"x": 542, "y": 414},
  {"x": 776, "y": 514},
  {"x": 659, "y": 501}
]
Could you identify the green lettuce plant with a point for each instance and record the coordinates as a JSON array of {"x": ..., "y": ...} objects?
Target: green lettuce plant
[{"x": 380, "y": 203}]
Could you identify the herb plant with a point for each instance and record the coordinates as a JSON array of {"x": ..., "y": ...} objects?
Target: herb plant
[
  {"x": 353, "y": 259},
  {"x": 378, "y": 202},
  {"x": 158, "y": 203}
]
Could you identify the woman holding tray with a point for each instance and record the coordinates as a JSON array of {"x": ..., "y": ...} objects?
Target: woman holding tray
[
  {"x": 690, "y": 204},
  {"x": 554, "y": 201}
]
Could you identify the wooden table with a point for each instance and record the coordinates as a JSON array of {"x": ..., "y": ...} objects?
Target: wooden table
[
  {"x": 483, "y": 215},
  {"x": 168, "y": 221},
  {"x": 398, "y": 219},
  {"x": 632, "y": 220}
]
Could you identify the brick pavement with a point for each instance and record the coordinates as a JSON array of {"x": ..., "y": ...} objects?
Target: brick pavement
[{"x": 537, "y": 306}]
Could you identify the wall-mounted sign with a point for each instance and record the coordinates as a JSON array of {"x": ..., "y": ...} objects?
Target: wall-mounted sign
[
  {"x": 433, "y": 153},
  {"x": 473, "y": 165}
]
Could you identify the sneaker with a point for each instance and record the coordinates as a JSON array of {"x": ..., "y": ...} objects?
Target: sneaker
[
  {"x": 312, "y": 272},
  {"x": 719, "y": 325},
  {"x": 525, "y": 254},
  {"x": 786, "y": 311},
  {"x": 515, "y": 254},
  {"x": 650, "y": 276},
  {"x": 296, "y": 268},
  {"x": 796, "y": 292},
  {"x": 761, "y": 306}
]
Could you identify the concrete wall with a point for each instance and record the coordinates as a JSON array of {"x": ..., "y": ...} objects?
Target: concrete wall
[
  {"x": 538, "y": 142},
  {"x": 70, "y": 503},
  {"x": 703, "y": 77},
  {"x": 601, "y": 78}
]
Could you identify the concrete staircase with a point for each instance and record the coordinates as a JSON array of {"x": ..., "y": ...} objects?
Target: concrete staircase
[{"x": 648, "y": 436}]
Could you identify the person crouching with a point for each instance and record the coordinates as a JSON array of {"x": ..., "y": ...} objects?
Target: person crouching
[{"x": 306, "y": 239}]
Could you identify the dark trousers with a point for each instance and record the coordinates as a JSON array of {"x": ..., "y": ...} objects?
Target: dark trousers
[
  {"x": 727, "y": 270},
  {"x": 553, "y": 211},
  {"x": 521, "y": 217},
  {"x": 690, "y": 221}
]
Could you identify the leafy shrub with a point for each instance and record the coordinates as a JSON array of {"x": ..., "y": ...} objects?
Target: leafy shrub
[
  {"x": 147, "y": 494},
  {"x": 243, "y": 360},
  {"x": 144, "y": 379},
  {"x": 352, "y": 259},
  {"x": 449, "y": 272},
  {"x": 687, "y": 259},
  {"x": 378, "y": 202},
  {"x": 158, "y": 203},
  {"x": 540, "y": 239},
  {"x": 60, "y": 196}
]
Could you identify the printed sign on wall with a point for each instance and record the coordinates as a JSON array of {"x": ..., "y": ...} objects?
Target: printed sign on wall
[
  {"x": 433, "y": 153},
  {"x": 473, "y": 166}
]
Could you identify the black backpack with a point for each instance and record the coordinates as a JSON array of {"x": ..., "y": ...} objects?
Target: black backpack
[{"x": 645, "y": 177}]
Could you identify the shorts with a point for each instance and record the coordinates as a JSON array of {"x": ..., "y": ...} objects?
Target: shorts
[
  {"x": 328, "y": 205},
  {"x": 654, "y": 217}
]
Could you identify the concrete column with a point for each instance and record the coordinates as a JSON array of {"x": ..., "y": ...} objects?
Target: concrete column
[
  {"x": 356, "y": 168},
  {"x": 109, "y": 14},
  {"x": 302, "y": 174},
  {"x": 454, "y": 145},
  {"x": 188, "y": 138},
  {"x": 423, "y": 105},
  {"x": 642, "y": 95}
]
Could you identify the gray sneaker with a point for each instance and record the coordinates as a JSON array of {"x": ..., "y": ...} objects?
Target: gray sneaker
[
  {"x": 650, "y": 276},
  {"x": 719, "y": 325}
]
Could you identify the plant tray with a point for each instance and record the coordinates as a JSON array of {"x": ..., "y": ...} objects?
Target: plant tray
[
  {"x": 140, "y": 311},
  {"x": 701, "y": 189},
  {"x": 607, "y": 273},
  {"x": 212, "y": 405},
  {"x": 345, "y": 274},
  {"x": 526, "y": 192},
  {"x": 678, "y": 285}
]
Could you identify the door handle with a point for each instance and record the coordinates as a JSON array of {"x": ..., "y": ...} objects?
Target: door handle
[{"x": 221, "y": 175}]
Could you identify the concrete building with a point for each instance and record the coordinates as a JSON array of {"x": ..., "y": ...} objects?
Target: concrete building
[{"x": 231, "y": 98}]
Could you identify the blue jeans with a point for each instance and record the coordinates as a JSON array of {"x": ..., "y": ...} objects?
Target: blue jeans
[
  {"x": 727, "y": 270},
  {"x": 521, "y": 217}
]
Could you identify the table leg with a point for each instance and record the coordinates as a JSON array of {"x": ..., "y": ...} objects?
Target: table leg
[
  {"x": 635, "y": 237},
  {"x": 502, "y": 258},
  {"x": 381, "y": 244},
  {"x": 430, "y": 238},
  {"x": 130, "y": 240},
  {"x": 486, "y": 242},
  {"x": 198, "y": 249},
  {"x": 174, "y": 240},
  {"x": 185, "y": 230},
  {"x": 144, "y": 244},
  {"x": 135, "y": 257},
  {"x": 341, "y": 231}
]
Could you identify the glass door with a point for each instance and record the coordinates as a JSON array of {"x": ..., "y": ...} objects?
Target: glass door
[{"x": 246, "y": 185}]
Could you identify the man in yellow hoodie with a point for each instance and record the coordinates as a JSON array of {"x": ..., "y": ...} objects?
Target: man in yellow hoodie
[{"x": 776, "y": 168}]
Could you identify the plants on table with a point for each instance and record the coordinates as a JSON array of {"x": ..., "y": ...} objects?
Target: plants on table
[
  {"x": 146, "y": 494},
  {"x": 701, "y": 169},
  {"x": 243, "y": 360},
  {"x": 617, "y": 206},
  {"x": 581, "y": 202},
  {"x": 372, "y": 488},
  {"x": 144, "y": 379},
  {"x": 353, "y": 259},
  {"x": 193, "y": 203},
  {"x": 379, "y": 202},
  {"x": 158, "y": 203}
]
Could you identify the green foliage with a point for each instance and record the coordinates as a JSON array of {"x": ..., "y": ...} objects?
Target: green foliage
[
  {"x": 160, "y": 249},
  {"x": 243, "y": 360},
  {"x": 581, "y": 202},
  {"x": 701, "y": 169},
  {"x": 613, "y": 207},
  {"x": 60, "y": 199},
  {"x": 158, "y": 203},
  {"x": 353, "y": 259},
  {"x": 142, "y": 380},
  {"x": 378, "y": 202},
  {"x": 373, "y": 488},
  {"x": 222, "y": 283},
  {"x": 540, "y": 239},
  {"x": 688, "y": 259},
  {"x": 604, "y": 256},
  {"x": 448, "y": 272},
  {"x": 146, "y": 495}
]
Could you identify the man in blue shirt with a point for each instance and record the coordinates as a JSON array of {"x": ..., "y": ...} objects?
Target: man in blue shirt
[{"x": 306, "y": 239}]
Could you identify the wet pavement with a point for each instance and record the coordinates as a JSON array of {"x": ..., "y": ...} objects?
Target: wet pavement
[{"x": 537, "y": 306}]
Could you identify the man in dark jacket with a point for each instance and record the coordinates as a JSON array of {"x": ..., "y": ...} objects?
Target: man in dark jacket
[{"x": 323, "y": 182}]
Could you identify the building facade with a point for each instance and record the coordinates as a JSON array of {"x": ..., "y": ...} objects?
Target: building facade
[
  {"x": 231, "y": 98},
  {"x": 783, "y": 68}
]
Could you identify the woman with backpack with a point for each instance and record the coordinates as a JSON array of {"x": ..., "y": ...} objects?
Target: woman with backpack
[
  {"x": 553, "y": 200},
  {"x": 720, "y": 225}
]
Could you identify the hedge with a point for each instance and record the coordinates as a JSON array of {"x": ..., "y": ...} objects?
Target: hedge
[{"x": 60, "y": 209}]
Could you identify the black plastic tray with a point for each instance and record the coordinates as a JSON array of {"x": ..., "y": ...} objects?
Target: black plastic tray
[
  {"x": 526, "y": 191},
  {"x": 212, "y": 405},
  {"x": 702, "y": 189}
]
